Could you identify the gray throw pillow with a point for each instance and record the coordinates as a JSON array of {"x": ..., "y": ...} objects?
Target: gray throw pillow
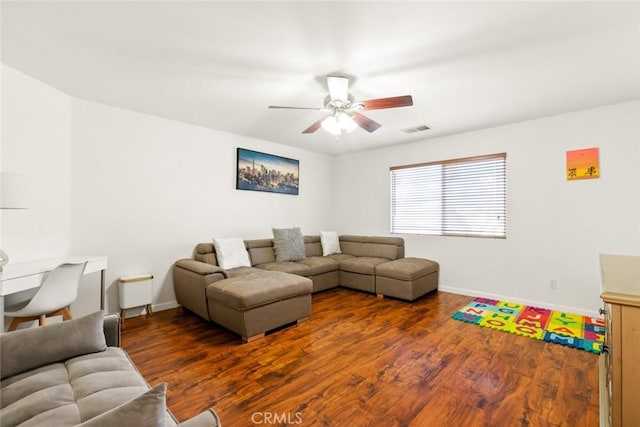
[
  {"x": 27, "y": 349},
  {"x": 288, "y": 244},
  {"x": 147, "y": 410}
]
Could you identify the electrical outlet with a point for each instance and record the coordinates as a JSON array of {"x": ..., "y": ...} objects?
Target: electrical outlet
[{"x": 553, "y": 284}]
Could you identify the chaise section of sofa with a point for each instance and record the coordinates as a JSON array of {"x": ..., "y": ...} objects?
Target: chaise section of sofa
[
  {"x": 257, "y": 301},
  {"x": 75, "y": 373}
]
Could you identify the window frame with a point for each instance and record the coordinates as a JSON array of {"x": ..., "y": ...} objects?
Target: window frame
[{"x": 481, "y": 233}]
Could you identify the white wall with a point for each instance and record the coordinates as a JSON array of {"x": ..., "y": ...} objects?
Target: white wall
[
  {"x": 140, "y": 189},
  {"x": 147, "y": 189},
  {"x": 36, "y": 143},
  {"x": 143, "y": 190},
  {"x": 555, "y": 228}
]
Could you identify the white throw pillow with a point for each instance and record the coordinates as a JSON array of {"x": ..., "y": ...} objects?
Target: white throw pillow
[
  {"x": 231, "y": 253},
  {"x": 330, "y": 243}
]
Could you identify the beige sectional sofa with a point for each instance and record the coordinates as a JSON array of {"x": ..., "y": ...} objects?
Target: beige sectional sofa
[{"x": 269, "y": 294}]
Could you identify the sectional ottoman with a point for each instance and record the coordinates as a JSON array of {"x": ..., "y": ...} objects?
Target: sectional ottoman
[
  {"x": 252, "y": 302},
  {"x": 407, "y": 278}
]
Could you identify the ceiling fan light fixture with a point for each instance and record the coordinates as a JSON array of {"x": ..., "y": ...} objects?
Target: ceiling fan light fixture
[
  {"x": 342, "y": 112},
  {"x": 346, "y": 122},
  {"x": 338, "y": 123},
  {"x": 331, "y": 125}
]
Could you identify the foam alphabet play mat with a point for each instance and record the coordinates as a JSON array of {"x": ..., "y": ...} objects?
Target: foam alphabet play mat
[{"x": 573, "y": 330}]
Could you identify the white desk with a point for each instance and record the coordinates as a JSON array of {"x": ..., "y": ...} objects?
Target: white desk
[{"x": 19, "y": 277}]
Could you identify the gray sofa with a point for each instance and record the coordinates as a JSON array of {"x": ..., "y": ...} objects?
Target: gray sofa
[
  {"x": 75, "y": 373},
  {"x": 228, "y": 297}
]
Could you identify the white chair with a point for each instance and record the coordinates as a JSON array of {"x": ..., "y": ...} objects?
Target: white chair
[{"x": 53, "y": 297}]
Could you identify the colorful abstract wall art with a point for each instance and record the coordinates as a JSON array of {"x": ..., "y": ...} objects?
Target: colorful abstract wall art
[{"x": 583, "y": 164}]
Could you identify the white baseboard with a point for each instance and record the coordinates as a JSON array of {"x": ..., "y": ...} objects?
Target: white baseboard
[
  {"x": 139, "y": 311},
  {"x": 165, "y": 306},
  {"x": 555, "y": 307}
]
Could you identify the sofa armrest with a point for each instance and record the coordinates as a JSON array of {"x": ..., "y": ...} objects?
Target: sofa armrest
[
  {"x": 112, "y": 326},
  {"x": 190, "y": 281},
  {"x": 205, "y": 419},
  {"x": 201, "y": 267}
]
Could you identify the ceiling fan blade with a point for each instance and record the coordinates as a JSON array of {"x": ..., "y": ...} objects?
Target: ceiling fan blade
[
  {"x": 381, "y": 103},
  {"x": 365, "y": 122},
  {"x": 338, "y": 88},
  {"x": 316, "y": 125},
  {"x": 296, "y": 108}
]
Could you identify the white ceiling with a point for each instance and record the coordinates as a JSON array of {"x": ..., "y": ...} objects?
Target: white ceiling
[{"x": 468, "y": 65}]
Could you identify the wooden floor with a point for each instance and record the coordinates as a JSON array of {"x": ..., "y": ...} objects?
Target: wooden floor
[{"x": 364, "y": 361}]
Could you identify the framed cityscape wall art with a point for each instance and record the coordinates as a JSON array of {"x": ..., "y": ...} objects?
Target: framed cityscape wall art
[
  {"x": 583, "y": 164},
  {"x": 258, "y": 171}
]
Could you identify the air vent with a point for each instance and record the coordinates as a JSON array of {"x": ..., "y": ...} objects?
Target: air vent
[{"x": 416, "y": 129}]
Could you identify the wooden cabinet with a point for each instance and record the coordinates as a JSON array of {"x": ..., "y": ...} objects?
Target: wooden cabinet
[{"x": 620, "y": 361}]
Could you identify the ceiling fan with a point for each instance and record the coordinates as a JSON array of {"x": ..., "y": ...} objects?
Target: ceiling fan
[{"x": 342, "y": 112}]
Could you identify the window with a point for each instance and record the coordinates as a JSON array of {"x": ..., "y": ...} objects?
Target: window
[{"x": 461, "y": 197}]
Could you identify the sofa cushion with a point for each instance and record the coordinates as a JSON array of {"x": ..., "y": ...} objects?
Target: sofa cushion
[
  {"x": 375, "y": 250},
  {"x": 313, "y": 246},
  {"x": 148, "y": 409},
  {"x": 288, "y": 244},
  {"x": 287, "y": 267},
  {"x": 45, "y": 396},
  {"x": 373, "y": 246},
  {"x": 319, "y": 265},
  {"x": 231, "y": 253},
  {"x": 407, "y": 269},
  {"x": 205, "y": 252},
  {"x": 241, "y": 271},
  {"x": 31, "y": 348},
  {"x": 261, "y": 254},
  {"x": 72, "y": 391},
  {"x": 340, "y": 257},
  {"x": 361, "y": 265},
  {"x": 258, "y": 287}
]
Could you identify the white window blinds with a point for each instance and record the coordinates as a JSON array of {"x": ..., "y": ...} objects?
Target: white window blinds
[{"x": 461, "y": 197}]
